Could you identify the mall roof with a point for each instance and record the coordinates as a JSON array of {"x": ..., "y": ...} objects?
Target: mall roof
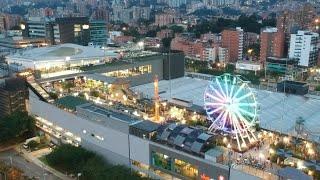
[
  {"x": 109, "y": 113},
  {"x": 277, "y": 111},
  {"x": 147, "y": 126},
  {"x": 62, "y": 52},
  {"x": 71, "y": 102},
  {"x": 189, "y": 139},
  {"x": 293, "y": 173}
]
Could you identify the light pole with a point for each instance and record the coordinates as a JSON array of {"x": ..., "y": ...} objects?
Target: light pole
[
  {"x": 78, "y": 176},
  {"x": 229, "y": 159},
  {"x": 170, "y": 85}
]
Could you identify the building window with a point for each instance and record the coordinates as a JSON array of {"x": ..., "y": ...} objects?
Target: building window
[
  {"x": 185, "y": 168},
  {"x": 161, "y": 160},
  {"x": 134, "y": 71}
]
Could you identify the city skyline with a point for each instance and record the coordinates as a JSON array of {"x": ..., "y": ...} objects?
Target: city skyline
[{"x": 159, "y": 89}]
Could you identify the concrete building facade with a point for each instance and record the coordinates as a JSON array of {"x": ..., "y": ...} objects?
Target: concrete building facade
[
  {"x": 13, "y": 96},
  {"x": 233, "y": 40},
  {"x": 272, "y": 42},
  {"x": 304, "y": 46}
]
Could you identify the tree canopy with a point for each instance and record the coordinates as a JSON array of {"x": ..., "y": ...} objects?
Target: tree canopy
[
  {"x": 18, "y": 124},
  {"x": 252, "y": 23},
  {"x": 76, "y": 160}
]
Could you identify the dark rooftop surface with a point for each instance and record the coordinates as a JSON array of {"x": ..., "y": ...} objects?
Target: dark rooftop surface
[
  {"x": 189, "y": 139},
  {"x": 293, "y": 173},
  {"x": 14, "y": 84},
  {"x": 108, "y": 113},
  {"x": 147, "y": 126}
]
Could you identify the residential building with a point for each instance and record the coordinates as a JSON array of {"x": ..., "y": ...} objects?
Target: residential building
[
  {"x": 210, "y": 54},
  {"x": 129, "y": 15},
  {"x": 304, "y": 46},
  {"x": 223, "y": 55},
  {"x": 166, "y": 18},
  {"x": 122, "y": 39},
  {"x": 192, "y": 49},
  {"x": 14, "y": 94},
  {"x": 101, "y": 14},
  {"x": 232, "y": 39},
  {"x": 250, "y": 38},
  {"x": 176, "y": 3},
  {"x": 272, "y": 42},
  {"x": 165, "y": 33}
]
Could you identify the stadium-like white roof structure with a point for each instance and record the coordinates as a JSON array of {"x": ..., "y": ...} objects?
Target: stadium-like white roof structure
[
  {"x": 58, "y": 55},
  {"x": 277, "y": 111},
  {"x": 73, "y": 51}
]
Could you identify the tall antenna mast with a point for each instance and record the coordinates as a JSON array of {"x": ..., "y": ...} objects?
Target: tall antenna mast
[{"x": 156, "y": 99}]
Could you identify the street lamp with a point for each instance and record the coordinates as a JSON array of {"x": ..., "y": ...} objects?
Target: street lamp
[
  {"x": 78, "y": 176},
  {"x": 229, "y": 159}
]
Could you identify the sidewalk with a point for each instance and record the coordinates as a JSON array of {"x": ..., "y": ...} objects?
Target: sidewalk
[{"x": 39, "y": 163}]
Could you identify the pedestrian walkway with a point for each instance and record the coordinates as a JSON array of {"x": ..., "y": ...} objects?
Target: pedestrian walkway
[{"x": 39, "y": 163}]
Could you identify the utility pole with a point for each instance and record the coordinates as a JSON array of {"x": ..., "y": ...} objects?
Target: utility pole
[{"x": 170, "y": 72}]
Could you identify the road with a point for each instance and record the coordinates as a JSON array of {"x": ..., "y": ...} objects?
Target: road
[{"x": 30, "y": 169}]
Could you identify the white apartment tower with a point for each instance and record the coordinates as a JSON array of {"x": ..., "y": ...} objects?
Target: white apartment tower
[{"x": 304, "y": 46}]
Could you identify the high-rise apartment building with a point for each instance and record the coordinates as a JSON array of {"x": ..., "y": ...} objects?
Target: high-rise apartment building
[
  {"x": 272, "y": 42},
  {"x": 232, "y": 39},
  {"x": 13, "y": 96},
  {"x": 176, "y": 3},
  {"x": 304, "y": 46}
]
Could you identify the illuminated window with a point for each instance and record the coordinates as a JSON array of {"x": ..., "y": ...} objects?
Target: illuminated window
[
  {"x": 161, "y": 160},
  {"x": 134, "y": 71},
  {"x": 185, "y": 168}
]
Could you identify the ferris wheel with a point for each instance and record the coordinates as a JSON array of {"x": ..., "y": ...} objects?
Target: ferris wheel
[{"x": 232, "y": 108}]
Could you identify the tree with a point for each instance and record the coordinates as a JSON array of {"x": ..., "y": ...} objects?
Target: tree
[
  {"x": 75, "y": 160},
  {"x": 18, "y": 124},
  {"x": 166, "y": 42},
  {"x": 230, "y": 68},
  {"x": 53, "y": 95},
  {"x": 95, "y": 93},
  {"x": 68, "y": 85},
  {"x": 68, "y": 158},
  {"x": 177, "y": 29},
  {"x": 33, "y": 144}
]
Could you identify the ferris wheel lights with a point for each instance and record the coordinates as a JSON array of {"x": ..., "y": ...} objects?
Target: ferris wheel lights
[{"x": 231, "y": 107}]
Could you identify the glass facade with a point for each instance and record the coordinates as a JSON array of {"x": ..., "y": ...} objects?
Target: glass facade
[
  {"x": 185, "y": 169},
  {"x": 98, "y": 32},
  {"x": 161, "y": 160},
  {"x": 134, "y": 71},
  {"x": 177, "y": 166}
]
